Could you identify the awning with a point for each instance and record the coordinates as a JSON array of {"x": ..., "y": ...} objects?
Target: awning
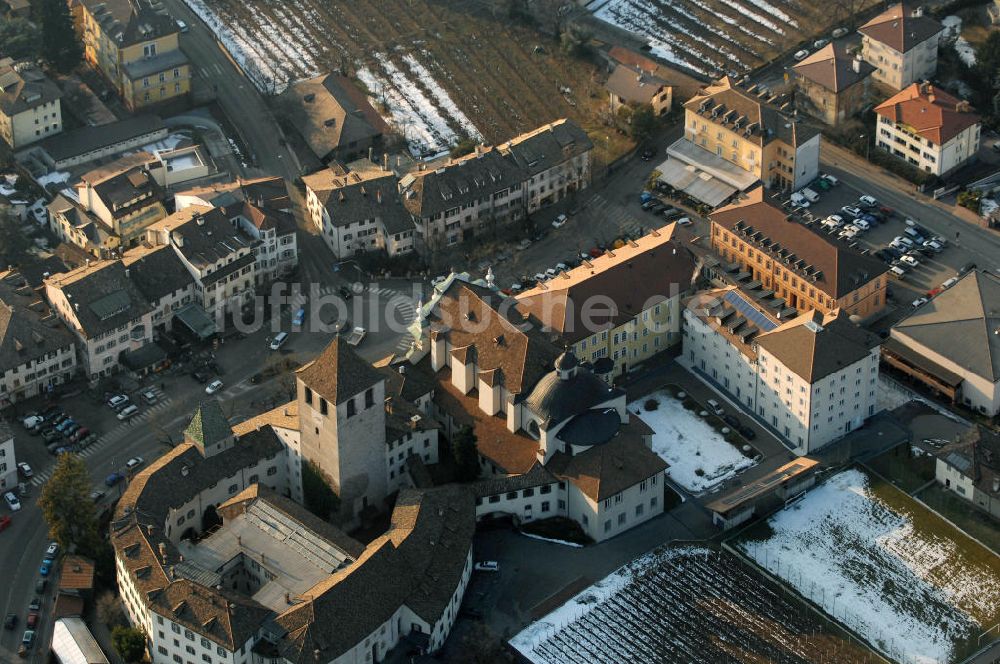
[
  {"x": 73, "y": 643},
  {"x": 143, "y": 358},
  {"x": 702, "y": 175},
  {"x": 918, "y": 361},
  {"x": 195, "y": 319}
]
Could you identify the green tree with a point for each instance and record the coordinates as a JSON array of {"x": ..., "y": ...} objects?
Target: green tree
[
  {"x": 643, "y": 122},
  {"x": 317, "y": 491},
  {"x": 67, "y": 508},
  {"x": 19, "y": 38},
  {"x": 14, "y": 244},
  {"x": 463, "y": 147},
  {"x": 463, "y": 448},
  {"x": 60, "y": 45},
  {"x": 575, "y": 41},
  {"x": 129, "y": 642}
]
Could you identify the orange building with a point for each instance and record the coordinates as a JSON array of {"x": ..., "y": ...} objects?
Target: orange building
[{"x": 808, "y": 269}]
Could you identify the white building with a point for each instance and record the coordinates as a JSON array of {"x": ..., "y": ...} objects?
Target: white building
[
  {"x": 928, "y": 128},
  {"x": 30, "y": 107},
  {"x": 902, "y": 44},
  {"x": 358, "y": 211},
  {"x": 37, "y": 352},
  {"x": 809, "y": 379},
  {"x": 555, "y": 159},
  {"x": 8, "y": 460}
]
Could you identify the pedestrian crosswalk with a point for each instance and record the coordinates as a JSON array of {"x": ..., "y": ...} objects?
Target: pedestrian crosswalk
[
  {"x": 615, "y": 218},
  {"x": 112, "y": 436}
]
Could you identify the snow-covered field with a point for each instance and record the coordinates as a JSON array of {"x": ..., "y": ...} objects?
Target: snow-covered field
[
  {"x": 895, "y": 573},
  {"x": 699, "y": 457},
  {"x": 707, "y": 36},
  {"x": 690, "y": 604}
]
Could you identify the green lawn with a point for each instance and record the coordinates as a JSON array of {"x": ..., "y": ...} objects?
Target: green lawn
[{"x": 963, "y": 514}]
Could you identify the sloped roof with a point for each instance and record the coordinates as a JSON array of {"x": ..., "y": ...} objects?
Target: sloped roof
[
  {"x": 557, "y": 399},
  {"x": 976, "y": 454},
  {"x": 731, "y": 103},
  {"x": 833, "y": 68},
  {"x": 77, "y": 573},
  {"x": 961, "y": 325},
  {"x": 359, "y": 196},
  {"x": 339, "y": 374},
  {"x": 332, "y": 113},
  {"x": 547, "y": 146},
  {"x": 814, "y": 346},
  {"x": 28, "y": 330},
  {"x": 635, "y": 277},
  {"x": 843, "y": 269},
  {"x": 635, "y": 84},
  {"x": 23, "y": 86},
  {"x": 899, "y": 29},
  {"x": 129, "y": 22},
  {"x": 929, "y": 111},
  {"x": 103, "y": 297},
  {"x": 208, "y": 425},
  {"x": 157, "y": 271}
]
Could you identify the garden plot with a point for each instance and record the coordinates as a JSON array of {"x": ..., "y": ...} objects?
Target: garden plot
[
  {"x": 885, "y": 566},
  {"x": 713, "y": 37},
  {"x": 699, "y": 457},
  {"x": 692, "y": 605}
]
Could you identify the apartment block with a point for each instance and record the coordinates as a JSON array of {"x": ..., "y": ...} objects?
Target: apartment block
[
  {"x": 30, "y": 107},
  {"x": 902, "y": 44}
]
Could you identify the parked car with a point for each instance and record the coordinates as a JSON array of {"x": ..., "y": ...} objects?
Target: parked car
[
  {"x": 919, "y": 302},
  {"x": 25, "y": 470},
  {"x": 851, "y": 211},
  {"x": 820, "y": 43},
  {"x": 356, "y": 336},
  {"x": 127, "y": 412},
  {"x": 684, "y": 221},
  {"x": 10, "y": 622},
  {"x": 96, "y": 495},
  {"x": 214, "y": 386},
  {"x": 810, "y": 195},
  {"x": 182, "y": 26},
  {"x": 117, "y": 401},
  {"x": 746, "y": 432},
  {"x": 113, "y": 479},
  {"x": 150, "y": 397},
  {"x": 868, "y": 201},
  {"x": 133, "y": 463},
  {"x": 279, "y": 339},
  {"x": 41, "y": 585},
  {"x": 65, "y": 424},
  {"x": 715, "y": 407},
  {"x": 12, "y": 502},
  {"x": 32, "y": 421},
  {"x": 487, "y": 566},
  {"x": 45, "y": 568},
  {"x": 801, "y": 55},
  {"x": 838, "y": 33},
  {"x": 949, "y": 283},
  {"x": 909, "y": 260},
  {"x": 27, "y": 641},
  {"x": 299, "y": 318},
  {"x": 897, "y": 271},
  {"x": 559, "y": 222},
  {"x": 199, "y": 376},
  {"x": 798, "y": 200},
  {"x": 830, "y": 178}
]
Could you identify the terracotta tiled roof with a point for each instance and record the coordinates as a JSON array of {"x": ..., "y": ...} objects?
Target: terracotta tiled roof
[
  {"x": 77, "y": 573},
  {"x": 929, "y": 111},
  {"x": 899, "y": 29},
  {"x": 635, "y": 277},
  {"x": 843, "y": 270},
  {"x": 284, "y": 417}
]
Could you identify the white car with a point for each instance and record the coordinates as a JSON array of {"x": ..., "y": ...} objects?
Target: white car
[
  {"x": 920, "y": 301},
  {"x": 820, "y": 43},
  {"x": 801, "y": 55},
  {"x": 861, "y": 224},
  {"x": 949, "y": 283},
  {"x": 868, "y": 201},
  {"x": 900, "y": 240},
  {"x": 909, "y": 260},
  {"x": 133, "y": 463},
  {"x": 834, "y": 220},
  {"x": 117, "y": 401},
  {"x": 182, "y": 26},
  {"x": 897, "y": 270},
  {"x": 487, "y": 566},
  {"x": 213, "y": 387},
  {"x": 127, "y": 412},
  {"x": 559, "y": 222},
  {"x": 32, "y": 421},
  {"x": 550, "y": 272},
  {"x": 810, "y": 195},
  {"x": 683, "y": 221},
  {"x": 561, "y": 267},
  {"x": 832, "y": 179},
  {"x": 26, "y": 470},
  {"x": 933, "y": 246},
  {"x": 53, "y": 549},
  {"x": 12, "y": 502},
  {"x": 798, "y": 200},
  {"x": 541, "y": 276}
]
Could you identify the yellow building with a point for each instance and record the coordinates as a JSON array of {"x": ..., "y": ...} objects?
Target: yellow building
[
  {"x": 123, "y": 196},
  {"x": 137, "y": 49},
  {"x": 740, "y": 126},
  {"x": 620, "y": 309}
]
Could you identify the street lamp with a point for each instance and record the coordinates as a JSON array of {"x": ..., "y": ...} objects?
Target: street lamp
[{"x": 868, "y": 147}]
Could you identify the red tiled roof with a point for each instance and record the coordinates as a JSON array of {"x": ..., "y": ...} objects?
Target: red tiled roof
[{"x": 930, "y": 111}]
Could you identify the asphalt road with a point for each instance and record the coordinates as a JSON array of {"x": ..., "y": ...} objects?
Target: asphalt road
[{"x": 246, "y": 109}]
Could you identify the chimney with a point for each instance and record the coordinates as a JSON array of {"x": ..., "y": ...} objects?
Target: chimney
[
  {"x": 856, "y": 65},
  {"x": 371, "y": 154},
  {"x": 388, "y": 405},
  {"x": 163, "y": 551},
  {"x": 378, "y": 196},
  {"x": 200, "y": 220},
  {"x": 126, "y": 273},
  {"x": 385, "y": 161},
  {"x": 76, "y": 307},
  {"x": 925, "y": 88}
]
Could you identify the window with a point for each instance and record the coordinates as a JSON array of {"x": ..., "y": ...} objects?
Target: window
[
  {"x": 161, "y": 650},
  {"x": 206, "y": 658},
  {"x": 512, "y": 495},
  {"x": 494, "y": 499},
  {"x": 190, "y": 649},
  {"x": 175, "y": 628},
  {"x": 621, "y": 519},
  {"x": 527, "y": 493},
  {"x": 545, "y": 506},
  {"x": 369, "y": 398},
  {"x": 233, "y": 488},
  {"x": 149, "y": 50},
  {"x": 638, "y": 509},
  {"x": 607, "y": 525},
  {"x": 205, "y": 643},
  {"x": 309, "y": 396},
  {"x": 351, "y": 410},
  {"x": 273, "y": 470},
  {"x": 652, "y": 502}
]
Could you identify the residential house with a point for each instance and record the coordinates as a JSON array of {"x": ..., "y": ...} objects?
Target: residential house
[
  {"x": 532, "y": 406},
  {"x": 105, "y": 310},
  {"x": 622, "y": 307},
  {"x": 358, "y": 211},
  {"x": 683, "y": 86},
  {"x": 473, "y": 195},
  {"x": 555, "y": 160},
  {"x": 736, "y": 135},
  {"x": 218, "y": 256},
  {"x": 30, "y": 107},
  {"x": 134, "y": 44},
  {"x": 902, "y": 44},
  {"x": 970, "y": 467},
  {"x": 335, "y": 118},
  {"x": 806, "y": 268},
  {"x": 928, "y": 128},
  {"x": 809, "y": 378},
  {"x": 71, "y": 223},
  {"x": 834, "y": 86},
  {"x": 37, "y": 352},
  {"x": 123, "y": 196},
  {"x": 163, "y": 279},
  {"x": 633, "y": 86},
  {"x": 925, "y": 345}
]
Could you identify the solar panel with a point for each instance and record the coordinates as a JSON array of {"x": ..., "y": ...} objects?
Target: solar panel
[{"x": 752, "y": 313}]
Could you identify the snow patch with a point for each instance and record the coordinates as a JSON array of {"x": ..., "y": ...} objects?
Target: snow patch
[
  {"x": 550, "y": 539},
  {"x": 54, "y": 177},
  {"x": 699, "y": 457}
]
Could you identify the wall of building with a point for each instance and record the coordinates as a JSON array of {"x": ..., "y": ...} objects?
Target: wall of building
[
  {"x": 951, "y": 478},
  {"x": 924, "y": 154},
  {"x": 172, "y": 640},
  {"x": 899, "y": 70},
  {"x": 733, "y": 146},
  {"x": 620, "y": 512},
  {"x": 33, "y": 378},
  {"x": 423, "y": 443},
  {"x": 31, "y": 125},
  {"x": 8, "y": 465},
  {"x": 806, "y": 162}
]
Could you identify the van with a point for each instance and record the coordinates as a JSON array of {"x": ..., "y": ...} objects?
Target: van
[
  {"x": 715, "y": 407},
  {"x": 810, "y": 195},
  {"x": 127, "y": 412},
  {"x": 279, "y": 340}
]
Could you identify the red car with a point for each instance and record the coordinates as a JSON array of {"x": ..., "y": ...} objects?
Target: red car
[
  {"x": 32, "y": 619},
  {"x": 4, "y": 522}
]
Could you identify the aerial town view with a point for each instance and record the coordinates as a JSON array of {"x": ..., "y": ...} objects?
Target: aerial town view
[{"x": 499, "y": 332}]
